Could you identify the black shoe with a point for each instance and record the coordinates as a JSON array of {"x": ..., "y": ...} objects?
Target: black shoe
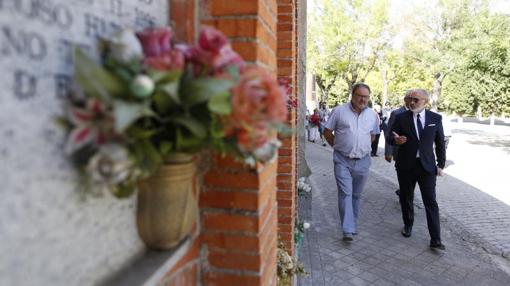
[
  {"x": 397, "y": 192},
  {"x": 324, "y": 144},
  {"x": 406, "y": 231},
  {"x": 437, "y": 245},
  {"x": 347, "y": 236}
]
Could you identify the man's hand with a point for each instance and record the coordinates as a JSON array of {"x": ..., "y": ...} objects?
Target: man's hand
[
  {"x": 328, "y": 135},
  {"x": 399, "y": 140},
  {"x": 439, "y": 171},
  {"x": 388, "y": 158}
]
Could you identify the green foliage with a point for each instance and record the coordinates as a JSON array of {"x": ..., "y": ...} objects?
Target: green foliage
[
  {"x": 455, "y": 49},
  {"x": 344, "y": 41}
]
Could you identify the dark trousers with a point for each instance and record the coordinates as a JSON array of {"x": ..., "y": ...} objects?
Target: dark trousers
[
  {"x": 375, "y": 143},
  {"x": 407, "y": 180}
]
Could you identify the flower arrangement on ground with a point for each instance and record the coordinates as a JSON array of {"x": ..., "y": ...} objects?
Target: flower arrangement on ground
[{"x": 151, "y": 98}]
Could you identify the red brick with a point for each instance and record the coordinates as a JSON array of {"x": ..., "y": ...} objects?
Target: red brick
[
  {"x": 191, "y": 254},
  {"x": 225, "y": 279},
  {"x": 285, "y": 9},
  {"x": 241, "y": 180},
  {"x": 231, "y": 222},
  {"x": 229, "y": 200},
  {"x": 247, "y": 50},
  {"x": 285, "y": 195},
  {"x": 182, "y": 16},
  {"x": 235, "y": 27},
  {"x": 187, "y": 276},
  {"x": 231, "y": 242},
  {"x": 284, "y": 220},
  {"x": 285, "y": 203},
  {"x": 285, "y": 18},
  {"x": 285, "y": 168},
  {"x": 234, "y": 261},
  {"x": 236, "y": 8}
]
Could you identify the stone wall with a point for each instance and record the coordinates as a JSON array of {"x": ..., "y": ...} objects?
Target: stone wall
[{"x": 50, "y": 232}]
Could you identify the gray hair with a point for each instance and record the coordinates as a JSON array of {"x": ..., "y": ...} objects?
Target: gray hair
[{"x": 420, "y": 91}]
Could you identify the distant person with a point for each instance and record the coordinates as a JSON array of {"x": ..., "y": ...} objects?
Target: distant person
[
  {"x": 415, "y": 132},
  {"x": 390, "y": 151},
  {"x": 354, "y": 126},
  {"x": 375, "y": 143},
  {"x": 315, "y": 122},
  {"x": 324, "y": 115}
]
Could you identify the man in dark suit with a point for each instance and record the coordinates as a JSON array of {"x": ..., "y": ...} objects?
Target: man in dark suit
[{"x": 416, "y": 132}]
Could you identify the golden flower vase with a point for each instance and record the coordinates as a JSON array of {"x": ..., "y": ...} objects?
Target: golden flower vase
[{"x": 167, "y": 204}]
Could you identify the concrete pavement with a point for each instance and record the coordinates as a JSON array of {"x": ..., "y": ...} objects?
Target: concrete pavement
[{"x": 379, "y": 254}]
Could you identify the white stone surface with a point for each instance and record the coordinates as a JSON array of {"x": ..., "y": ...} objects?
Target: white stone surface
[{"x": 50, "y": 232}]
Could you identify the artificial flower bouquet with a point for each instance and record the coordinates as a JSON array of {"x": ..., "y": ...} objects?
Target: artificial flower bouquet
[{"x": 150, "y": 98}]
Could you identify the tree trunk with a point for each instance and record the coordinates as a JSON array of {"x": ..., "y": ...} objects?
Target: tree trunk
[
  {"x": 436, "y": 92},
  {"x": 384, "y": 98}
]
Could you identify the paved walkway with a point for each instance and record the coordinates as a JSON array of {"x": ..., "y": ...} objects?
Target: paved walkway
[{"x": 379, "y": 254}]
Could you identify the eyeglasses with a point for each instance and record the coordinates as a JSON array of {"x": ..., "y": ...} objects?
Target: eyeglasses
[
  {"x": 362, "y": 96},
  {"x": 414, "y": 99}
]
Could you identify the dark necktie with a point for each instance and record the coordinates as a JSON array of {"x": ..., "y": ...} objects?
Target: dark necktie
[{"x": 420, "y": 126}]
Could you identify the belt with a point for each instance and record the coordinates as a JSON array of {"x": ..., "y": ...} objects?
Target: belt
[{"x": 354, "y": 158}]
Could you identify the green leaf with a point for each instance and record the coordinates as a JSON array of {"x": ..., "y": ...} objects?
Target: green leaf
[
  {"x": 165, "y": 148},
  {"x": 147, "y": 156},
  {"x": 163, "y": 77},
  {"x": 162, "y": 102},
  {"x": 124, "y": 190},
  {"x": 95, "y": 80},
  {"x": 140, "y": 133},
  {"x": 172, "y": 90},
  {"x": 187, "y": 143},
  {"x": 220, "y": 104},
  {"x": 196, "y": 91},
  {"x": 193, "y": 125},
  {"x": 126, "y": 113}
]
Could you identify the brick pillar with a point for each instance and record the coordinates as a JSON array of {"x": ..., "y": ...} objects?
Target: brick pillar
[
  {"x": 238, "y": 203},
  {"x": 286, "y": 58},
  {"x": 183, "y": 19},
  {"x": 239, "y": 231}
]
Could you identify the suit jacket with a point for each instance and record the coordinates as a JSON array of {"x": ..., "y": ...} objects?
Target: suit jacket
[
  {"x": 390, "y": 150},
  {"x": 432, "y": 135}
]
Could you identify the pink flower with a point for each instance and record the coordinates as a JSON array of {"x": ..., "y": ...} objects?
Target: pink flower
[
  {"x": 92, "y": 124},
  {"x": 227, "y": 57},
  {"x": 171, "y": 60},
  {"x": 285, "y": 85},
  {"x": 258, "y": 102},
  {"x": 211, "y": 40},
  {"x": 156, "y": 41},
  {"x": 158, "y": 51}
]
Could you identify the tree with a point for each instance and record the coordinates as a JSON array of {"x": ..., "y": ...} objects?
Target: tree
[{"x": 345, "y": 38}]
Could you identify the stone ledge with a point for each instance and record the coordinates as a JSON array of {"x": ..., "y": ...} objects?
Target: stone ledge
[{"x": 149, "y": 268}]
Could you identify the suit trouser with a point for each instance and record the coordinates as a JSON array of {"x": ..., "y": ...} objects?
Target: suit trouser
[
  {"x": 351, "y": 176},
  {"x": 407, "y": 180}
]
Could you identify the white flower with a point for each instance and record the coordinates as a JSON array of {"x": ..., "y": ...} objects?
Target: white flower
[
  {"x": 109, "y": 166},
  {"x": 306, "y": 225},
  {"x": 142, "y": 85},
  {"x": 267, "y": 151},
  {"x": 125, "y": 46}
]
